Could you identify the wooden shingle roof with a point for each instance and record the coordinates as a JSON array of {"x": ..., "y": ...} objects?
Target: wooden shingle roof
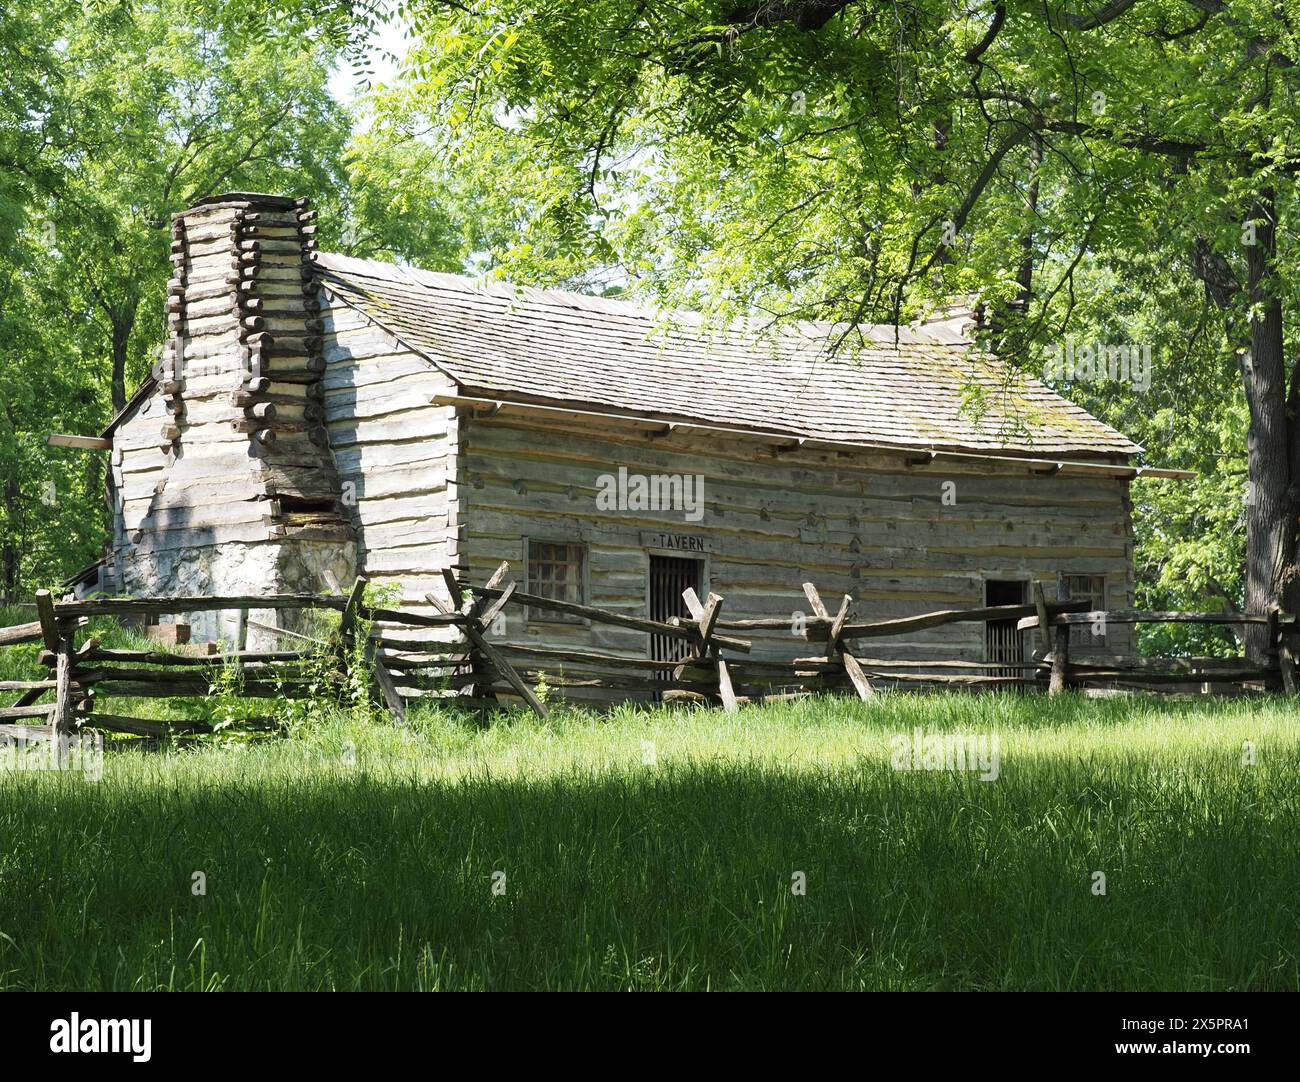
[{"x": 597, "y": 353}]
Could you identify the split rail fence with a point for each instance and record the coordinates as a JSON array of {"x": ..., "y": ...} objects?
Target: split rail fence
[{"x": 711, "y": 662}]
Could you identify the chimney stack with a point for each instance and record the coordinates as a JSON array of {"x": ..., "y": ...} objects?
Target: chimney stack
[
  {"x": 244, "y": 320},
  {"x": 250, "y": 500}
]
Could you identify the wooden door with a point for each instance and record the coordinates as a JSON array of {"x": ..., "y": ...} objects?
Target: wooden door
[
  {"x": 1004, "y": 646},
  {"x": 669, "y": 577}
]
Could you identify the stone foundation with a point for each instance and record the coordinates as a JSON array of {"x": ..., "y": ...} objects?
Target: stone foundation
[{"x": 235, "y": 569}]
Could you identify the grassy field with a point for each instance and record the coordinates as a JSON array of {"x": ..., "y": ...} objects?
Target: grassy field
[{"x": 658, "y": 849}]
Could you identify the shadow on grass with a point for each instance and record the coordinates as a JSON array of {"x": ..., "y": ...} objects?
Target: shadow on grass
[{"x": 676, "y": 877}]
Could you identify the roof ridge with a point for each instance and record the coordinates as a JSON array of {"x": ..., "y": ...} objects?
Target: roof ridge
[{"x": 882, "y": 333}]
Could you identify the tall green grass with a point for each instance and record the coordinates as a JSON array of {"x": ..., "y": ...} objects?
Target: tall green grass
[{"x": 656, "y": 849}]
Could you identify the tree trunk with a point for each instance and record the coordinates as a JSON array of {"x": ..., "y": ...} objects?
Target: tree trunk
[
  {"x": 9, "y": 556},
  {"x": 1025, "y": 276},
  {"x": 1270, "y": 510},
  {"x": 12, "y": 548},
  {"x": 122, "y": 324}
]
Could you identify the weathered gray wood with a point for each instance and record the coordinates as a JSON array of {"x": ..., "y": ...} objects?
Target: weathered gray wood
[
  {"x": 1136, "y": 616},
  {"x": 456, "y": 592},
  {"x": 494, "y": 582},
  {"x": 835, "y": 645},
  {"x": 859, "y": 678},
  {"x": 407, "y": 683},
  {"x": 34, "y": 711},
  {"x": 627, "y": 682},
  {"x": 505, "y": 669},
  {"x": 384, "y": 682},
  {"x": 283, "y": 632},
  {"x": 28, "y": 697},
  {"x": 441, "y": 604},
  {"x": 833, "y": 636},
  {"x": 83, "y": 443},
  {"x": 960, "y": 681},
  {"x": 478, "y": 657},
  {"x": 194, "y": 676},
  {"x": 153, "y": 657},
  {"x": 952, "y": 616},
  {"x": 878, "y": 663},
  {"x": 706, "y": 616},
  {"x": 119, "y": 723},
  {"x": 352, "y": 607},
  {"x": 431, "y": 647},
  {"x": 48, "y": 622},
  {"x": 61, "y": 715},
  {"x": 774, "y": 623},
  {"x": 496, "y": 606},
  {"x": 1060, "y": 646},
  {"x": 1186, "y": 665},
  {"x": 414, "y": 619},
  {"x": 166, "y": 727},
  {"x": 1136, "y": 677},
  {"x": 1040, "y": 604},
  {"x": 578, "y": 657},
  {"x": 637, "y": 623},
  {"x": 189, "y": 687},
  {"x": 693, "y": 604},
  {"x": 818, "y": 606},
  {"x": 725, "y": 690},
  {"x": 27, "y": 732},
  {"x": 1286, "y": 663},
  {"x": 171, "y": 605},
  {"x": 21, "y": 633}
]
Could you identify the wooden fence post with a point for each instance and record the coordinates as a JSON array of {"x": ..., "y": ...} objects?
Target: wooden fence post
[
  {"x": 49, "y": 626},
  {"x": 485, "y": 658},
  {"x": 835, "y": 641},
  {"x": 1280, "y": 650},
  {"x": 61, "y": 717},
  {"x": 349, "y": 617},
  {"x": 59, "y": 642},
  {"x": 706, "y": 620},
  {"x": 385, "y": 687},
  {"x": 1060, "y": 645},
  {"x": 1044, "y": 624},
  {"x": 481, "y": 689},
  {"x": 384, "y": 681}
]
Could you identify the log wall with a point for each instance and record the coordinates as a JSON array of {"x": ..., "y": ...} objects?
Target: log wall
[
  {"x": 395, "y": 454},
  {"x": 862, "y": 523}
]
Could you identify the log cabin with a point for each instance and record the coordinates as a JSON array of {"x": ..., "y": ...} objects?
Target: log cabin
[{"x": 315, "y": 417}]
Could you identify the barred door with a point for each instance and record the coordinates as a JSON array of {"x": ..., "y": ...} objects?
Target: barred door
[
  {"x": 1003, "y": 644},
  {"x": 669, "y": 577}
]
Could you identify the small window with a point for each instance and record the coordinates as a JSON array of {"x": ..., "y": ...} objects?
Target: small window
[
  {"x": 1092, "y": 589},
  {"x": 557, "y": 570}
]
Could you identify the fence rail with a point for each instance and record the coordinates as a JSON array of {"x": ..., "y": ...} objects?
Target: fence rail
[{"x": 714, "y": 665}]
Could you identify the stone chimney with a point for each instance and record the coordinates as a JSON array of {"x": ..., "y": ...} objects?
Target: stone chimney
[{"x": 249, "y": 500}]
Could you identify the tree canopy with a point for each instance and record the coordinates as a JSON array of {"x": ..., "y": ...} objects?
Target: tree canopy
[
  {"x": 112, "y": 118},
  {"x": 1113, "y": 172}
]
